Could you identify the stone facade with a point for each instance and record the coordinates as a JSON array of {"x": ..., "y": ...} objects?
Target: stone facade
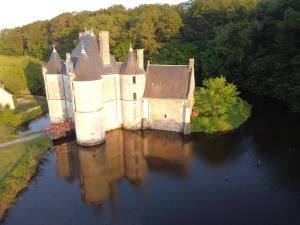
[{"x": 100, "y": 94}]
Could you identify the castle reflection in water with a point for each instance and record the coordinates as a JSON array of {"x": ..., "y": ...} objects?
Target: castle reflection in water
[{"x": 125, "y": 155}]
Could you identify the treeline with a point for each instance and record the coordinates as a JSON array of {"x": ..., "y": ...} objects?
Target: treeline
[{"x": 253, "y": 43}]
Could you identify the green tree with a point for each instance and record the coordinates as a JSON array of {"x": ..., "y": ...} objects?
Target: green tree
[
  {"x": 216, "y": 97},
  {"x": 219, "y": 107}
]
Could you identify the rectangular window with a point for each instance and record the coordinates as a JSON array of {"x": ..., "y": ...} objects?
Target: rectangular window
[
  {"x": 133, "y": 80},
  {"x": 134, "y": 96}
]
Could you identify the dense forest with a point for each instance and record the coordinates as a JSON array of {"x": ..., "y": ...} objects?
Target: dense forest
[{"x": 254, "y": 43}]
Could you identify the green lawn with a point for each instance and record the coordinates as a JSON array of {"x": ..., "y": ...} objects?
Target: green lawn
[{"x": 8, "y": 157}]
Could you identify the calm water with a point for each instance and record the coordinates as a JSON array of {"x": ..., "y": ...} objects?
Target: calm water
[
  {"x": 34, "y": 126},
  {"x": 250, "y": 176}
]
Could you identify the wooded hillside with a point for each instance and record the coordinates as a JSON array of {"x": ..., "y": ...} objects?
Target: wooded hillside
[{"x": 254, "y": 43}]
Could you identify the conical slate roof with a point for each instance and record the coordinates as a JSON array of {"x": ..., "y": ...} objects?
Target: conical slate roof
[
  {"x": 85, "y": 70},
  {"x": 131, "y": 66},
  {"x": 54, "y": 63},
  {"x": 90, "y": 46},
  {"x": 92, "y": 49}
]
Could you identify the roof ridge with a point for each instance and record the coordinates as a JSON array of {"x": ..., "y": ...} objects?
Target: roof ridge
[{"x": 167, "y": 65}]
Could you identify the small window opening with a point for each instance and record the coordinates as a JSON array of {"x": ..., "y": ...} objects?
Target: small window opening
[
  {"x": 134, "y": 80},
  {"x": 165, "y": 116},
  {"x": 134, "y": 96}
]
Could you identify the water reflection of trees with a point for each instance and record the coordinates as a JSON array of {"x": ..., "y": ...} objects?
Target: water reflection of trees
[
  {"x": 275, "y": 133},
  {"x": 125, "y": 155},
  {"x": 220, "y": 149}
]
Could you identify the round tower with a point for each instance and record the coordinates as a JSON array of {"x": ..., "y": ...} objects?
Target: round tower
[
  {"x": 55, "y": 88},
  {"x": 132, "y": 79},
  {"x": 88, "y": 103}
]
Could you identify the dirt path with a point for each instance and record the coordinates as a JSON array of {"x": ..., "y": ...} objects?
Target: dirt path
[{"x": 21, "y": 140}]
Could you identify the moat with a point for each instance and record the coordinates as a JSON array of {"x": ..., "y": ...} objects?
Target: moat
[{"x": 249, "y": 176}]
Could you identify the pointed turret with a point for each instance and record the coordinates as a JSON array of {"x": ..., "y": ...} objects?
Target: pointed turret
[
  {"x": 84, "y": 70},
  {"x": 131, "y": 66},
  {"x": 132, "y": 82},
  {"x": 56, "y": 79},
  {"x": 54, "y": 63},
  {"x": 88, "y": 102}
]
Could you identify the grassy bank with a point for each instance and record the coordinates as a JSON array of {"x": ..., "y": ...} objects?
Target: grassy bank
[
  {"x": 28, "y": 107},
  {"x": 218, "y": 107},
  {"x": 21, "y": 75},
  {"x": 18, "y": 163}
]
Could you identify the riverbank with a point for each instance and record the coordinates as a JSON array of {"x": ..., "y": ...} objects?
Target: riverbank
[
  {"x": 28, "y": 108},
  {"x": 18, "y": 164}
]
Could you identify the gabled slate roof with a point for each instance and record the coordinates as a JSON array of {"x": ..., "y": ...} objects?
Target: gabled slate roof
[
  {"x": 131, "y": 66},
  {"x": 167, "y": 81},
  {"x": 54, "y": 64},
  {"x": 85, "y": 70}
]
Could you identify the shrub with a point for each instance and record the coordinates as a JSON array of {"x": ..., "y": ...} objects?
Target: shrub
[{"x": 219, "y": 107}]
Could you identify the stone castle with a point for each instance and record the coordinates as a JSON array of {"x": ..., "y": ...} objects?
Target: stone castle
[{"x": 100, "y": 94}]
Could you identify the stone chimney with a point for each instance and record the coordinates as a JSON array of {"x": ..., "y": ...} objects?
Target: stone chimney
[
  {"x": 140, "y": 58},
  {"x": 191, "y": 63},
  {"x": 104, "y": 47},
  {"x": 68, "y": 57}
]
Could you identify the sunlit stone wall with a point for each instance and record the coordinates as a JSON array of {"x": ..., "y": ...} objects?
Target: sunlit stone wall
[
  {"x": 58, "y": 93},
  {"x": 88, "y": 105},
  {"x": 112, "y": 102},
  {"x": 166, "y": 114},
  {"x": 132, "y": 109}
]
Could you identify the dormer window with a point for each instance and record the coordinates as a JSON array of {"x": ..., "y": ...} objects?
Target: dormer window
[{"x": 134, "y": 80}]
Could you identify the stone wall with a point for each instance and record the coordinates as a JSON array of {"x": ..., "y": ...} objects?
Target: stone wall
[
  {"x": 6, "y": 99},
  {"x": 132, "y": 91},
  {"x": 112, "y": 111},
  {"x": 56, "y": 97},
  {"x": 88, "y": 105},
  {"x": 166, "y": 114}
]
